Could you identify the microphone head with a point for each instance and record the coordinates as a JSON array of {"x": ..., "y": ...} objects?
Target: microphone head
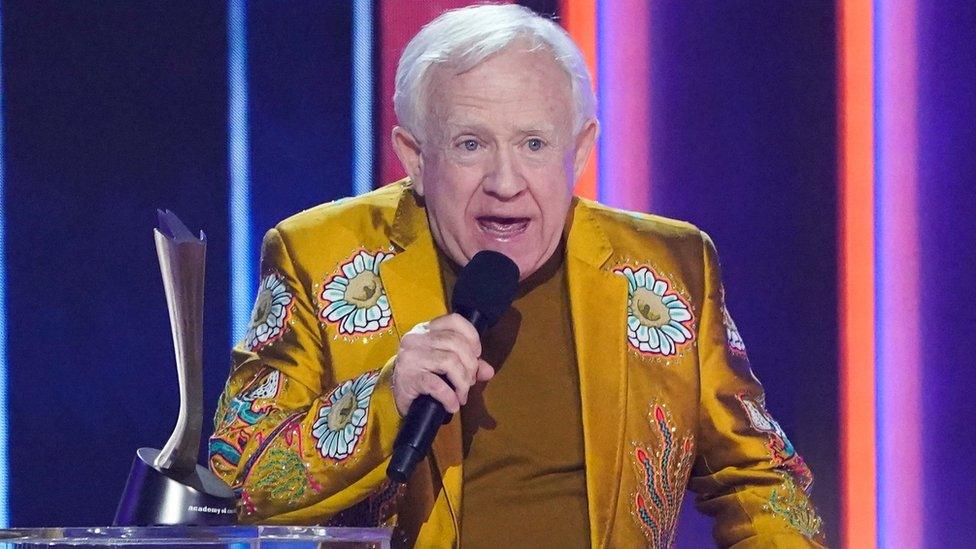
[{"x": 487, "y": 284}]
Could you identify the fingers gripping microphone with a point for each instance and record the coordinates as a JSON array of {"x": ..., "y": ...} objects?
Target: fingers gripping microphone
[{"x": 483, "y": 292}]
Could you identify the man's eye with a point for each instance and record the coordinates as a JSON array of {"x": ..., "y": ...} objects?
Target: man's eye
[
  {"x": 470, "y": 145},
  {"x": 534, "y": 144}
]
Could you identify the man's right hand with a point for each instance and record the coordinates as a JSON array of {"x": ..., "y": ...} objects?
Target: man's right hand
[{"x": 449, "y": 346}]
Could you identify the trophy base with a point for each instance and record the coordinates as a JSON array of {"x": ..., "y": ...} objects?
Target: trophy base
[{"x": 155, "y": 497}]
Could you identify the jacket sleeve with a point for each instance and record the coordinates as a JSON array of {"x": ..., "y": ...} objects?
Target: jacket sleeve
[
  {"x": 297, "y": 445},
  {"x": 747, "y": 475}
]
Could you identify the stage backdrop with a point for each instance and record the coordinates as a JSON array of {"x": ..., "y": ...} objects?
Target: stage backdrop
[{"x": 113, "y": 109}]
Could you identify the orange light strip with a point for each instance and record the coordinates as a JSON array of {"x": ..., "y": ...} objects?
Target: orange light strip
[
  {"x": 857, "y": 266},
  {"x": 578, "y": 17}
]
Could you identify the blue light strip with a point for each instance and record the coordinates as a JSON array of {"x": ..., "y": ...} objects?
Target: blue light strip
[
  {"x": 4, "y": 511},
  {"x": 362, "y": 96},
  {"x": 242, "y": 278}
]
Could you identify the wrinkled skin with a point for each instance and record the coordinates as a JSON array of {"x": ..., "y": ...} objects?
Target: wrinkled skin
[{"x": 499, "y": 157}]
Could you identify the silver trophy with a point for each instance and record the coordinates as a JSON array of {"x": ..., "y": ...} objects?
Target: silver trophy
[{"x": 168, "y": 486}]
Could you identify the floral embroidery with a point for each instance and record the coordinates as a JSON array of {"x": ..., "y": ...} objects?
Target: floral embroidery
[
  {"x": 793, "y": 506},
  {"x": 235, "y": 420},
  {"x": 781, "y": 450},
  {"x": 663, "y": 472},
  {"x": 342, "y": 418},
  {"x": 736, "y": 345},
  {"x": 354, "y": 299},
  {"x": 659, "y": 320},
  {"x": 272, "y": 309}
]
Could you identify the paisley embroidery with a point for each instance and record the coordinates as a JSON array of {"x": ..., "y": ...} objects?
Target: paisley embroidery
[
  {"x": 659, "y": 319},
  {"x": 234, "y": 420},
  {"x": 781, "y": 450},
  {"x": 282, "y": 473},
  {"x": 269, "y": 317},
  {"x": 662, "y": 469},
  {"x": 353, "y": 300},
  {"x": 793, "y": 506},
  {"x": 342, "y": 417}
]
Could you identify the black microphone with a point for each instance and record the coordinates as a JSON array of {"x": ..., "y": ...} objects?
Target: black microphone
[{"x": 483, "y": 292}]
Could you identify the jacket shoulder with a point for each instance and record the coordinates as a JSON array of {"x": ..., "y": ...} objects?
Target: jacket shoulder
[
  {"x": 376, "y": 205},
  {"x": 628, "y": 229},
  {"x": 321, "y": 237}
]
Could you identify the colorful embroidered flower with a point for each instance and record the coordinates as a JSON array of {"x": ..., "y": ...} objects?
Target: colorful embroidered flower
[
  {"x": 781, "y": 450},
  {"x": 663, "y": 470},
  {"x": 659, "y": 321},
  {"x": 272, "y": 308},
  {"x": 354, "y": 299},
  {"x": 342, "y": 418},
  {"x": 736, "y": 345}
]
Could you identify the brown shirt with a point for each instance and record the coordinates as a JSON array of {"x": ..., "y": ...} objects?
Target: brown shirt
[{"x": 524, "y": 478}]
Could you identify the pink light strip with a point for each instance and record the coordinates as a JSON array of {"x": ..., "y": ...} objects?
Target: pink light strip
[
  {"x": 900, "y": 471},
  {"x": 623, "y": 44}
]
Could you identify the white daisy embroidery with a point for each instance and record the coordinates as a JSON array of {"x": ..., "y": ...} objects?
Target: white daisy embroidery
[
  {"x": 342, "y": 417},
  {"x": 659, "y": 320},
  {"x": 272, "y": 309},
  {"x": 354, "y": 299}
]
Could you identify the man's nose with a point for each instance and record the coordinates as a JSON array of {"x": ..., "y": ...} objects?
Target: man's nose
[{"x": 505, "y": 180}]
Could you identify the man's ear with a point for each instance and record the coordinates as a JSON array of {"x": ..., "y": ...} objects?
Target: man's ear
[
  {"x": 584, "y": 146},
  {"x": 407, "y": 149}
]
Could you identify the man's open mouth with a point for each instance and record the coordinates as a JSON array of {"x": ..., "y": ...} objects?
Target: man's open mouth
[{"x": 502, "y": 228}]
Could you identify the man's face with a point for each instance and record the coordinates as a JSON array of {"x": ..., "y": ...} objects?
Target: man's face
[{"x": 500, "y": 157}]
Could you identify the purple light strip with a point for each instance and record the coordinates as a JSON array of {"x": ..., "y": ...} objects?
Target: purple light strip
[{"x": 900, "y": 471}]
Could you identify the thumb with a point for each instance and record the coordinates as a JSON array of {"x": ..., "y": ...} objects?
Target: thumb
[{"x": 485, "y": 371}]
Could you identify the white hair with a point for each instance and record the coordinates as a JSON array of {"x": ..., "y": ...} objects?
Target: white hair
[{"x": 466, "y": 37}]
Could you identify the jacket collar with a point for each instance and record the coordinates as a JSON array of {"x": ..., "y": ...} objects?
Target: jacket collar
[{"x": 598, "y": 304}]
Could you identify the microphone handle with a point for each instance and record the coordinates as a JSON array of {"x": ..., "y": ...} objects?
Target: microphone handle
[{"x": 424, "y": 418}]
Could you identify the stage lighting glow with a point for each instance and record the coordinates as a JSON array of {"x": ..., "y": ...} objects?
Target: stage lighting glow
[
  {"x": 362, "y": 96},
  {"x": 239, "y": 171}
]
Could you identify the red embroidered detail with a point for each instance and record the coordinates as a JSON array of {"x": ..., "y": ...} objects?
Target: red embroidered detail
[
  {"x": 782, "y": 454},
  {"x": 662, "y": 470}
]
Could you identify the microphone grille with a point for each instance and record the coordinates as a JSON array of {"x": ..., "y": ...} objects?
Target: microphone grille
[{"x": 487, "y": 284}]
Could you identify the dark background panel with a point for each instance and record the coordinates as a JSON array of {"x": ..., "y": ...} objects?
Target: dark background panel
[
  {"x": 301, "y": 103},
  {"x": 113, "y": 109},
  {"x": 743, "y": 145},
  {"x": 947, "y": 225}
]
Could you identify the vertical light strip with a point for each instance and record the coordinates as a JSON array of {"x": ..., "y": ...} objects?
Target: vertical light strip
[
  {"x": 623, "y": 31},
  {"x": 238, "y": 149},
  {"x": 4, "y": 485},
  {"x": 856, "y": 277},
  {"x": 579, "y": 18},
  {"x": 362, "y": 96},
  {"x": 900, "y": 471}
]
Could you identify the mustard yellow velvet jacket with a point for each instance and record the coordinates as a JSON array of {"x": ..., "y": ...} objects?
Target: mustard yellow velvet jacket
[{"x": 306, "y": 424}]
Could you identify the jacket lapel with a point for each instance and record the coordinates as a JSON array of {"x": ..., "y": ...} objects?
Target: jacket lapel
[
  {"x": 414, "y": 288},
  {"x": 598, "y": 304}
]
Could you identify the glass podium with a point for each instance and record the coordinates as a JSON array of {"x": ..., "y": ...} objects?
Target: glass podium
[{"x": 265, "y": 537}]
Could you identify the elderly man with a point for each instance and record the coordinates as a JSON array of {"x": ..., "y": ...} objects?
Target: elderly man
[{"x": 616, "y": 379}]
